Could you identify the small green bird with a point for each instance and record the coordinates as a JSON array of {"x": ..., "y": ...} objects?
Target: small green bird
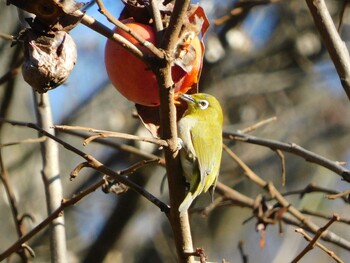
[{"x": 200, "y": 133}]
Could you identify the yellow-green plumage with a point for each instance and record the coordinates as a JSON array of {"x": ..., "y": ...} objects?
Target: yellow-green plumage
[{"x": 200, "y": 130}]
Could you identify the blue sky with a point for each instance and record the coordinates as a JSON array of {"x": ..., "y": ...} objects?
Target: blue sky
[{"x": 89, "y": 72}]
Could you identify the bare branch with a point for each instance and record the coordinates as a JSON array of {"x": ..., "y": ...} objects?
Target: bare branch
[
  {"x": 133, "y": 168},
  {"x": 7, "y": 36},
  {"x": 158, "y": 24},
  {"x": 244, "y": 256},
  {"x": 324, "y": 216},
  {"x": 294, "y": 149},
  {"x": 13, "y": 205},
  {"x": 311, "y": 188},
  {"x": 103, "y": 10},
  {"x": 66, "y": 203},
  {"x": 230, "y": 196},
  {"x": 95, "y": 164},
  {"x": 258, "y": 125},
  {"x": 341, "y": 16},
  {"x": 248, "y": 172},
  {"x": 179, "y": 222},
  {"x": 283, "y": 163},
  {"x": 105, "y": 31},
  {"x": 77, "y": 170},
  {"x": 52, "y": 180},
  {"x": 342, "y": 194},
  {"x": 12, "y": 72},
  {"x": 205, "y": 211},
  {"x": 109, "y": 134},
  {"x": 26, "y": 141},
  {"x": 49, "y": 219},
  {"x": 334, "y": 44},
  {"x": 313, "y": 242},
  {"x": 269, "y": 187},
  {"x": 29, "y": 249},
  {"x": 123, "y": 147}
]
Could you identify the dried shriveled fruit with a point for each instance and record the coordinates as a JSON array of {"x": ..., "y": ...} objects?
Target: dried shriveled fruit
[{"x": 49, "y": 59}]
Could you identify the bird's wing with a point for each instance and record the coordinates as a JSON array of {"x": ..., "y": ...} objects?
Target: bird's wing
[
  {"x": 184, "y": 128},
  {"x": 208, "y": 150},
  {"x": 203, "y": 153}
]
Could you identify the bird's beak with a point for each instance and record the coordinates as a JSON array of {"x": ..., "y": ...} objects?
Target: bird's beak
[{"x": 187, "y": 98}]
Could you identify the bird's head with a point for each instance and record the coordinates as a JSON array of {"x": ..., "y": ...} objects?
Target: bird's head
[{"x": 202, "y": 106}]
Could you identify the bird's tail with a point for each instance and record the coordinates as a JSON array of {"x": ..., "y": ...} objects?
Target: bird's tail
[
  {"x": 186, "y": 203},
  {"x": 195, "y": 190}
]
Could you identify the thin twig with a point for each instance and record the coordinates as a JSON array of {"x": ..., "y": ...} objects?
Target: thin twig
[
  {"x": 13, "y": 205},
  {"x": 29, "y": 249},
  {"x": 313, "y": 242},
  {"x": 95, "y": 164},
  {"x": 98, "y": 27},
  {"x": 58, "y": 212},
  {"x": 133, "y": 168},
  {"x": 7, "y": 36},
  {"x": 269, "y": 187},
  {"x": 67, "y": 203},
  {"x": 123, "y": 147},
  {"x": 324, "y": 216},
  {"x": 311, "y": 188},
  {"x": 241, "y": 9},
  {"x": 25, "y": 141},
  {"x": 248, "y": 172},
  {"x": 283, "y": 164},
  {"x": 104, "y": 11},
  {"x": 238, "y": 199},
  {"x": 204, "y": 212},
  {"x": 244, "y": 256},
  {"x": 109, "y": 134},
  {"x": 13, "y": 71},
  {"x": 158, "y": 24},
  {"x": 334, "y": 44},
  {"x": 341, "y": 15},
  {"x": 75, "y": 172},
  {"x": 294, "y": 149},
  {"x": 10, "y": 195},
  {"x": 10, "y": 87},
  {"x": 338, "y": 195},
  {"x": 258, "y": 125}
]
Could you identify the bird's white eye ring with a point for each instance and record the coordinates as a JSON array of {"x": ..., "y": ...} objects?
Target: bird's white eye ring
[{"x": 203, "y": 104}]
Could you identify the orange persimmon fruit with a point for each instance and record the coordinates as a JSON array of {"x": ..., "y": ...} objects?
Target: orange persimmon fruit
[{"x": 134, "y": 79}]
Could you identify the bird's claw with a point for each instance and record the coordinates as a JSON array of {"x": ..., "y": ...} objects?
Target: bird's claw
[{"x": 180, "y": 144}]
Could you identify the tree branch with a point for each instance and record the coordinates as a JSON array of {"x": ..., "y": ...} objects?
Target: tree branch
[
  {"x": 179, "y": 222},
  {"x": 103, "y": 10},
  {"x": 334, "y": 44},
  {"x": 269, "y": 187},
  {"x": 122, "y": 147},
  {"x": 49, "y": 219},
  {"x": 13, "y": 205},
  {"x": 52, "y": 180},
  {"x": 313, "y": 242},
  {"x": 95, "y": 164},
  {"x": 95, "y": 25},
  {"x": 109, "y": 134},
  {"x": 294, "y": 149}
]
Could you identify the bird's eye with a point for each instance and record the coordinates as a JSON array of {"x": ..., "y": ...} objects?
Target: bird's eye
[{"x": 203, "y": 104}]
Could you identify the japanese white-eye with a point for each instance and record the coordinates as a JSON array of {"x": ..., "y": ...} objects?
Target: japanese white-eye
[{"x": 200, "y": 133}]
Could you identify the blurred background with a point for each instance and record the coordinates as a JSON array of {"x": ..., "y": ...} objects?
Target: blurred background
[{"x": 267, "y": 62}]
